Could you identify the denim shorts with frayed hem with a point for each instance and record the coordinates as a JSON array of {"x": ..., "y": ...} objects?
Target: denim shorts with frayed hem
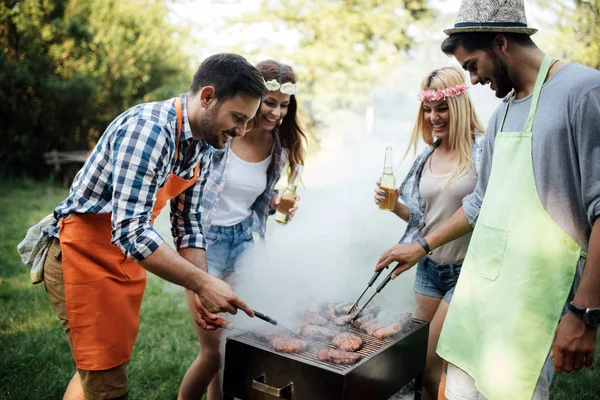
[
  {"x": 436, "y": 280},
  {"x": 225, "y": 246}
]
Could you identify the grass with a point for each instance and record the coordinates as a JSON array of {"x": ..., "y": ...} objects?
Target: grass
[{"x": 35, "y": 360}]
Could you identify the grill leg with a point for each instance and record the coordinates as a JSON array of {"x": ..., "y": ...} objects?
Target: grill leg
[{"x": 418, "y": 386}]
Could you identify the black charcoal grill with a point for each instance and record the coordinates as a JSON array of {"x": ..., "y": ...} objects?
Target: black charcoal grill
[{"x": 253, "y": 370}]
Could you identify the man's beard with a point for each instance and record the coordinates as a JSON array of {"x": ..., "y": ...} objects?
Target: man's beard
[
  {"x": 501, "y": 78},
  {"x": 209, "y": 130}
]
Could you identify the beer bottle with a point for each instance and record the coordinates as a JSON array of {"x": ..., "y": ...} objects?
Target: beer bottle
[
  {"x": 288, "y": 197},
  {"x": 388, "y": 182}
]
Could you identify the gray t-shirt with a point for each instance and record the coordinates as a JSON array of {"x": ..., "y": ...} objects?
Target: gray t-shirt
[{"x": 566, "y": 150}]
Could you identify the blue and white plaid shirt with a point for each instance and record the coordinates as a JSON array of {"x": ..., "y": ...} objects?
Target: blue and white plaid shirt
[
  {"x": 411, "y": 195},
  {"x": 132, "y": 160},
  {"x": 216, "y": 183}
]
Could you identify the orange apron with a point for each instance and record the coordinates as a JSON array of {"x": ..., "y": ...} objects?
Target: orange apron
[{"x": 103, "y": 287}]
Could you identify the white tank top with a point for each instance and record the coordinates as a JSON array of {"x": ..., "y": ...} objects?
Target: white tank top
[{"x": 245, "y": 181}]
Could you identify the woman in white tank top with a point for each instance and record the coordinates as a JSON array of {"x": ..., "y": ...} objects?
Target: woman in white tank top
[
  {"x": 444, "y": 173},
  {"x": 239, "y": 196}
]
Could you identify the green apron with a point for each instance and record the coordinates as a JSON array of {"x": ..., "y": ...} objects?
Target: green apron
[{"x": 515, "y": 278}]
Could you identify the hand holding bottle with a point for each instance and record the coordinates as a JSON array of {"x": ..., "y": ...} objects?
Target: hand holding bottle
[
  {"x": 387, "y": 183},
  {"x": 380, "y": 194},
  {"x": 276, "y": 199}
]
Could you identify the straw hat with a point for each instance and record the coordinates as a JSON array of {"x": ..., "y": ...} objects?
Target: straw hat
[{"x": 491, "y": 16}]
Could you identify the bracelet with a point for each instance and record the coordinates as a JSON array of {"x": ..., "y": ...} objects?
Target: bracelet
[{"x": 425, "y": 246}]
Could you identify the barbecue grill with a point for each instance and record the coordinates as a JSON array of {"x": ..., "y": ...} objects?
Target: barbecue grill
[{"x": 253, "y": 370}]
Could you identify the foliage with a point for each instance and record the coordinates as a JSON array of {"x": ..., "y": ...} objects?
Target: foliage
[
  {"x": 69, "y": 67},
  {"x": 344, "y": 46},
  {"x": 576, "y": 34}
]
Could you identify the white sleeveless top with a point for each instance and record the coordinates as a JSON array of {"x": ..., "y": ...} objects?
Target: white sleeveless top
[{"x": 245, "y": 181}]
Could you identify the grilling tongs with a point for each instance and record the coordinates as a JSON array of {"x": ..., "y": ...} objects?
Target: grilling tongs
[{"x": 379, "y": 288}]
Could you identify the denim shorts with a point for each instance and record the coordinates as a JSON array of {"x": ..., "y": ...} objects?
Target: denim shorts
[
  {"x": 225, "y": 246},
  {"x": 436, "y": 280}
]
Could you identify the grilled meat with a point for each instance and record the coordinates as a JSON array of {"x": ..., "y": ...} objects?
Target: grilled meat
[
  {"x": 338, "y": 356},
  {"x": 338, "y": 308},
  {"x": 344, "y": 319},
  {"x": 394, "y": 328},
  {"x": 317, "y": 332},
  {"x": 363, "y": 320},
  {"x": 310, "y": 318},
  {"x": 288, "y": 344},
  {"x": 372, "y": 328},
  {"x": 347, "y": 342},
  {"x": 327, "y": 311}
]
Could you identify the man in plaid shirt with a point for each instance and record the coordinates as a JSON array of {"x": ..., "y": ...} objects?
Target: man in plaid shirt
[{"x": 102, "y": 241}]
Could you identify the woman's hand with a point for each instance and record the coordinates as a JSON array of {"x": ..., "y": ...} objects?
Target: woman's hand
[
  {"x": 275, "y": 199},
  {"x": 406, "y": 255},
  {"x": 379, "y": 193}
]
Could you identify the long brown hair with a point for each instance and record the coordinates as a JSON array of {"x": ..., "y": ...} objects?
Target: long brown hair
[
  {"x": 291, "y": 135},
  {"x": 464, "y": 123}
]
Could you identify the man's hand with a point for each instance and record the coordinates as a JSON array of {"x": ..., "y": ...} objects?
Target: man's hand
[
  {"x": 406, "y": 255},
  {"x": 217, "y": 296},
  {"x": 207, "y": 320},
  {"x": 573, "y": 345}
]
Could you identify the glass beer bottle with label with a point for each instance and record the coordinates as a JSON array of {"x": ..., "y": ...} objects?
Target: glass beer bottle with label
[
  {"x": 387, "y": 182},
  {"x": 288, "y": 197}
]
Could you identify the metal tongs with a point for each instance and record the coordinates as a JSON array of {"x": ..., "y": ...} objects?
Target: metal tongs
[
  {"x": 379, "y": 288},
  {"x": 273, "y": 321}
]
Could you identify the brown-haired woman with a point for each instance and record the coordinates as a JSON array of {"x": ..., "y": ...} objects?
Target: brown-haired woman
[{"x": 239, "y": 196}]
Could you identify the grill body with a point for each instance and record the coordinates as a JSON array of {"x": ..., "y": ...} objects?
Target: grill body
[{"x": 254, "y": 371}]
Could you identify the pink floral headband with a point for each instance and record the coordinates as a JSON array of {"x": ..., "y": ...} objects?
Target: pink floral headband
[{"x": 443, "y": 94}]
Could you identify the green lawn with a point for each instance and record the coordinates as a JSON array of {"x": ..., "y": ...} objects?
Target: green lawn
[{"x": 35, "y": 362}]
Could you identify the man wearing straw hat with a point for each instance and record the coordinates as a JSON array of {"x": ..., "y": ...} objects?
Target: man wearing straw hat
[{"x": 527, "y": 299}]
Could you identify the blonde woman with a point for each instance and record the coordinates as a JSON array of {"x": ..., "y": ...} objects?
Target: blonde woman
[{"x": 444, "y": 173}]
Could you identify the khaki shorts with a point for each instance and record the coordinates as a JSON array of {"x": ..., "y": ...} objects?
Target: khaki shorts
[
  {"x": 107, "y": 384},
  {"x": 460, "y": 385}
]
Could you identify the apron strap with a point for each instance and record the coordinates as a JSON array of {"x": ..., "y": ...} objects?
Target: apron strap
[
  {"x": 544, "y": 69},
  {"x": 583, "y": 254},
  {"x": 179, "y": 113}
]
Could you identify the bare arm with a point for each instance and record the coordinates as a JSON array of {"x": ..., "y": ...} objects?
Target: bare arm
[
  {"x": 401, "y": 210},
  {"x": 189, "y": 271},
  {"x": 575, "y": 342},
  {"x": 408, "y": 255}
]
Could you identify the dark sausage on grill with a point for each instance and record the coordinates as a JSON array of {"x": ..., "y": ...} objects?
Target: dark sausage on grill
[{"x": 338, "y": 356}]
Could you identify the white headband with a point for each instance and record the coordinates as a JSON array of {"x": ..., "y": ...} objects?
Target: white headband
[{"x": 285, "y": 88}]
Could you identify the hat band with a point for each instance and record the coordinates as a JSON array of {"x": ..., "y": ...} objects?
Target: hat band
[{"x": 489, "y": 24}]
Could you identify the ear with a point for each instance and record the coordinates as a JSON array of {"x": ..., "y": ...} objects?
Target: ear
[
  {"x": 207, "y": 95},
  {"x": 500, "y": 43}
]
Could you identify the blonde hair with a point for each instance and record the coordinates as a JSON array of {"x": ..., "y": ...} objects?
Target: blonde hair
[{"x": 463, "y": 124}]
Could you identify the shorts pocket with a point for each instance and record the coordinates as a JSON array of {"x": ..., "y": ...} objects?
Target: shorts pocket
[
  {"x": 212, "y": 236},
  {"x": 486, "y": 251}
]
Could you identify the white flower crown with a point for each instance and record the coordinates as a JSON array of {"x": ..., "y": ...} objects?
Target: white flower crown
[{"x": 285, "y": 88}]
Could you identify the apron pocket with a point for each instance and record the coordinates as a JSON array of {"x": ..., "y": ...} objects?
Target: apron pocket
[{"x": 486, "y": 251}]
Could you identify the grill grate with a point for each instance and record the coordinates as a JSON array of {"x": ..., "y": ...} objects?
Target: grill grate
[{"x": 371, "y": 345}]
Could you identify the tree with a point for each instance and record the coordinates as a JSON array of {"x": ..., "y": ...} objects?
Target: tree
[
  {"x": 343, "y": 46},
  {"x": 576, "y": 33},
  {"x": 69, "y": 67}
]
